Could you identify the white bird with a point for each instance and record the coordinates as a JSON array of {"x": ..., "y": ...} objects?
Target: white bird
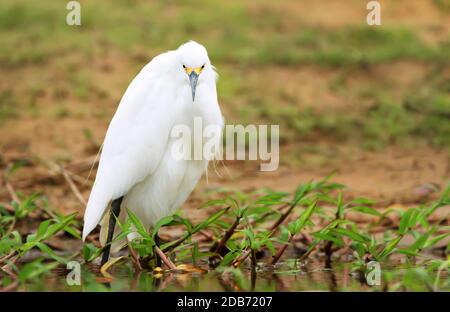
[{"x": 137, "y": 170}]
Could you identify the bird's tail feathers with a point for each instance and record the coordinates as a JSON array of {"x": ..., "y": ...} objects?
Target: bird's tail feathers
[{"x": 95, "y": 210}]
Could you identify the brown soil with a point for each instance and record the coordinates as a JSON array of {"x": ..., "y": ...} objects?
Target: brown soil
[
  {"x": 51, "y": 121},
  {"x": 428, "y": 20},
  {"x": 393, "y": 176}
]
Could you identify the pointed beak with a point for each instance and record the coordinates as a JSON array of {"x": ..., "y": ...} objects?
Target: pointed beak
[{"x": 193, "y": 78}]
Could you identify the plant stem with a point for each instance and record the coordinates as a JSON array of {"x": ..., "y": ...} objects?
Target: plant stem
[
  {"x": 164, "y": 259},
  {"x": 281, "y": 251},
  {"x": 241, "y": 258},
  {"x": 72, "y": 186},
  {"x": 227, "y": 236},
  {"x": 283, "y": 217}
]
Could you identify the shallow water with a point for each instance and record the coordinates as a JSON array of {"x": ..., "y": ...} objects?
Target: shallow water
[{"x": 288, "y": 276}]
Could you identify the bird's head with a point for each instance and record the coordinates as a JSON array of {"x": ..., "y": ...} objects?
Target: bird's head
[{"x": 193, "y": 62}]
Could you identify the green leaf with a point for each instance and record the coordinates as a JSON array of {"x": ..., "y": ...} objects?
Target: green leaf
[
  {"x": 214, "y": 202},
  {"x": 433, "y": 241},
  {"x": 229, "y": 257},
  {"x": 140, "y": 228},
  {"x": 185, "y": 222},
  {"x": 61, "y": 224},
  {"x": 367, "y": 210},
  {"x": 47, "y": 250},
  {"x": 271, "y": 199},
  {"x": 42, "y": 230},
  {"x": 258, "y": 211},
  {"x": 359, "y": 248},
  {"x": 195, "y": 253},
  {"x": 26, "y": 206},
  {"x": 162, "y": 222},
  {"x": 408, "y": 252},
  {"x": 284, "y": 234},
  {"x": 420, "y": 242},
  {"x": 302, "y": 190},
  {"x": 241, "y": 212},
  {"x": 248, "y": 232},
  {"x": 271, "y": 248},
  {"x": 408, "y": 220},
  {"x": 90, "y": 252},
  {"x": 210, "y": 220},
  {"x": 304, "y": 218},
  {"x": 34, "y": 269},
  {"x": 350, "y": 234},
  {"x": 327, "y": 237},
  {"x": 389, "y": 247},
  {"x": 14, "y": 167},
  {"x": 232, "y": 202},
  {"x": 221, "y": 224},
  {"x": 325, "y": 198},
  {"x": 72, "y": 231},
  {"x": 45, "y": 231},
  {"x": 430, "y": 210}
]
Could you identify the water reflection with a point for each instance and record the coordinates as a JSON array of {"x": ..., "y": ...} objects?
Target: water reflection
[{"x": 288, "y": 276}]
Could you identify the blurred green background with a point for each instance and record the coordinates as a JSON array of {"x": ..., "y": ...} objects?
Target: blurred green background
[{"x": 365, "y": 100}]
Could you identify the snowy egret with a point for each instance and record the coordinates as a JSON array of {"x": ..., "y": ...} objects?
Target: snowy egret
[{"x": 137, "y": 170}]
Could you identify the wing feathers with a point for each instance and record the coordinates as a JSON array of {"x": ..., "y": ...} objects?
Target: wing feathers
[{"x": 135, "y": 140}]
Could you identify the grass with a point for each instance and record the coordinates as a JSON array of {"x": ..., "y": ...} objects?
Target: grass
[
  {"x": 111, "y": 22},
  {"x": 7, "y": 105},
  {"x": 420, "y": 119},
  {"x": 244, "y": 228},
  {"x": 236, "y": 50},
  {"x": 442, "y": 4},
  {"x": 47, "y": 63}
]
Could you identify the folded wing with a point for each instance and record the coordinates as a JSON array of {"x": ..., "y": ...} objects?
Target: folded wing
[{"x": 135, "y": 140}]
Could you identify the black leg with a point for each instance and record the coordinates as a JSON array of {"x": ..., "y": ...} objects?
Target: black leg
[
  {"x": 158, "y": 242},
  {"x": 115, "y": 211}
]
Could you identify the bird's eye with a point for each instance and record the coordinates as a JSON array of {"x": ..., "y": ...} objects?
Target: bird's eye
[
  {"x": 184, "y": 66},
  {"x": 203, "y": 66}
]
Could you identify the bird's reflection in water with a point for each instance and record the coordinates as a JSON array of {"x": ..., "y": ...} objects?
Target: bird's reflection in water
[{"x": 331, "y": 276}]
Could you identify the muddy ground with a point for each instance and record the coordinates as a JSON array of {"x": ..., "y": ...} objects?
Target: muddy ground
[{"x": 59, "y": 109}]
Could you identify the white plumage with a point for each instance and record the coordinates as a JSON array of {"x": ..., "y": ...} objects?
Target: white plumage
[{"x": 136, "y": 161}]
